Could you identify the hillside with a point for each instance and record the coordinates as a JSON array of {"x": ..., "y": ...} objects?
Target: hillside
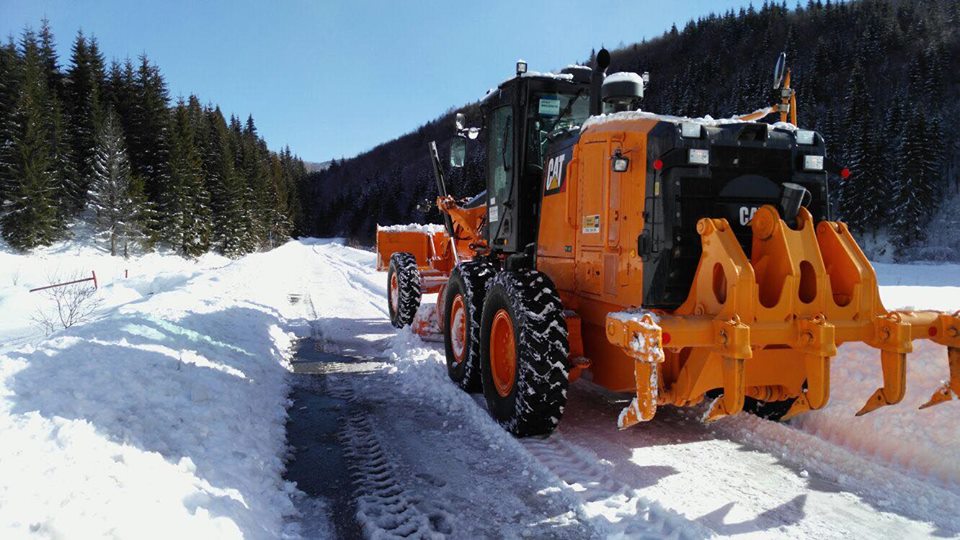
[{"x": 876, "y": 77}]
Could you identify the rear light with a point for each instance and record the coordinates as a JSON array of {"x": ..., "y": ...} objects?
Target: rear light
[
  {"x": 844, "y": 173},
  {"x": 665, "y": 338},
  {"x": 813, "y": 163},
  {"x": 698, "y": 156},
  {"x": 658, "y": 164},
  {"x": 690, "y": 130},
  {"x": 805, "y": 136}
]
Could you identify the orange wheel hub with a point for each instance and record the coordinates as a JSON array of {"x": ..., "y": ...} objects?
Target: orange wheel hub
[
  {"x": 458, "y": 328},
  {"x": 503, "y": 353},
  {"x": 394, "y": 292}
]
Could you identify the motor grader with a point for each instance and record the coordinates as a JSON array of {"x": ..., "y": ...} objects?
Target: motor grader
[{"x": 679, "y": 260}]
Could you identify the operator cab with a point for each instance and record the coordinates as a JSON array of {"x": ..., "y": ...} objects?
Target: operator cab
[{"x": 538, "y": 111}]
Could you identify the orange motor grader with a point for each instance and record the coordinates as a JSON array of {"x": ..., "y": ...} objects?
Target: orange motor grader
[{"x": 678, "y": 260}]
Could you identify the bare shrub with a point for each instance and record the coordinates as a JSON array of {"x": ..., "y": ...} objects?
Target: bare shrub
[{"x": 69, "y": 305}]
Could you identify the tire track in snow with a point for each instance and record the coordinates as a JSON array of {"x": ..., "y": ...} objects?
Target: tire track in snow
[
  {"x": 352, "y": 279},
  {"x": 384, "y": 507},
  {"x": 607, "y": 503}
]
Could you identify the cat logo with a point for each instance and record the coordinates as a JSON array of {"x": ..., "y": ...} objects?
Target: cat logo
[
  {"x": 555, "y": 171},
  {"x": 746, "y": 214}
]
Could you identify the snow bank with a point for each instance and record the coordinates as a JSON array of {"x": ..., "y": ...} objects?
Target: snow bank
[
  {"x": 163, "y": 417},
  {"x": 920, "y": 443},
  {"x": 428, "y": 228},
  {"x": 644, "y": 115}
]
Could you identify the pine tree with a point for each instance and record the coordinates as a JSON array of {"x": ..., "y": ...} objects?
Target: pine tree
[
  {"x": 226, "y": 187},
  {"x": 148, "y": 129},
  {"x": 256, "y": 173},
  {"x": 84, "y": 112},
  {"x": 29, "y": 212},
  {"x": 48, "y": 59},
  {"x": 9, "y": 91},
  {"x": 916, "y": 188},
  {"x": 111, "y": 188},
  {"x": 62, "y": 158},
  {"x": 186, "y": 204}
]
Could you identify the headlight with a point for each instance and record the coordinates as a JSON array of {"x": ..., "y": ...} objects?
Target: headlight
[
  {"x": 690, "y": 130},
  {"x": 699, "y": 156},
  {"x": 813, "y": 163},
  {"x": 805, "y": 136},
  {"x": 620, "y": 164}
]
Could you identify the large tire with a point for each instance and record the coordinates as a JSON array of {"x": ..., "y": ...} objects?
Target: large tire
[
  {"x": 403, "y": 289},
  {"x": 524, "y": 349},
  {"x": 463, "y": 308}
]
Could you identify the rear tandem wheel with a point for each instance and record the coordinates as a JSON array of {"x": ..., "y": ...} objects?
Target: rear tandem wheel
[{"x": 523, "y": 350}]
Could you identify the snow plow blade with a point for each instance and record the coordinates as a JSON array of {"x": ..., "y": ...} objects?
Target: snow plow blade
[{"x": 766, "y": 327}]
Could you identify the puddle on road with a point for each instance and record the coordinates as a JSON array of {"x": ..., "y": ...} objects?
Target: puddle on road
[{"x": 318, "y": 465}]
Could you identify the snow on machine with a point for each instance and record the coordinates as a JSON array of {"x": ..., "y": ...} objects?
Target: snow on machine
[{"x": 679, "y": 260}]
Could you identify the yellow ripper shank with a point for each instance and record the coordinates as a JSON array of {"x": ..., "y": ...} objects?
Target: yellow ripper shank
[{"x": 767, "y": 327}]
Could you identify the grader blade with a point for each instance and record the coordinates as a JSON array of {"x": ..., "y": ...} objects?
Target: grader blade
[{"x": 766, "y": 327}]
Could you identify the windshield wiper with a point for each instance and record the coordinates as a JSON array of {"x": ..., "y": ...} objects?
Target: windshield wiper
[{"x": 566, "y": 110}]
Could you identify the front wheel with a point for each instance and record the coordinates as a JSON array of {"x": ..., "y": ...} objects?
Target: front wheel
[
  {"x": 524, "y": 350},
  {"x": 403, "y": 288}
]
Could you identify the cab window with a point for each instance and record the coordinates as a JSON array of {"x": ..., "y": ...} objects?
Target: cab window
[
  {"x": 550, "y": 115},
  {"x": 500, "y": 152}
]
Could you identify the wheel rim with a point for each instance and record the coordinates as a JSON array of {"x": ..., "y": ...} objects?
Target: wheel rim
[
  {"x": 458, "y": 328},
  {"x": 394, "y": 292},
  {"x": 503, "y": 353}
]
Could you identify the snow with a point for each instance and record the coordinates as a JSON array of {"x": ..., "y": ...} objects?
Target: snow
[
  {"x": 544, "y": 74},
  {"x": 708, "y": 120},
  {"x": 624, "y": 76},
  {"x": 428, "y": 228},
  {"x": 549, "y": 75},
  {"x": 163, "y": 416}
]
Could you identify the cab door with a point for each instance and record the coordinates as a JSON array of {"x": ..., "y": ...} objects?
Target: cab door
[{"x": 500, "y": 169}]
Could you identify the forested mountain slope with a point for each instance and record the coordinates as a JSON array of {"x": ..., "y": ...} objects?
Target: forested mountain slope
[{"x": 879, "y": 78}]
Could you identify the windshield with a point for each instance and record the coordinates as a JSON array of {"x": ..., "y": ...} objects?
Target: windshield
[{"x": 551, "y": 114}]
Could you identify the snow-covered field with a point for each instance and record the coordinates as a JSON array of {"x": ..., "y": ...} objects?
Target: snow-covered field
[{"x": 163, "y": 416}]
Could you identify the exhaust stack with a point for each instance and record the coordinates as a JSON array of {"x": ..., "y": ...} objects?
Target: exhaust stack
[{"x": 596, "y": 80}]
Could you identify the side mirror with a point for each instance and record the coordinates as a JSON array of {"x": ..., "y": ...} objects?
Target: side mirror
[
  {"x": 458, "y": 152},
  {"x": 462, "y": 129},
  {"x": 778, "y": 70}
]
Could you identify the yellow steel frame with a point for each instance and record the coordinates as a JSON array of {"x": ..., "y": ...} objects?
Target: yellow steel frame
[{"x": 767, "y": 327}]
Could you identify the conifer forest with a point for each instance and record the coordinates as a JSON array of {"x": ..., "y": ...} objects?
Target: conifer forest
[{"x": 86, "y": 141}]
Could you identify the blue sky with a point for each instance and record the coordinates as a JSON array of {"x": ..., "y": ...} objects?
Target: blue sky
[{"x": 333, "y": 79}]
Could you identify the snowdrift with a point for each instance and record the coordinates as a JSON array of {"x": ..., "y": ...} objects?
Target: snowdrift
[{"x": 163, "y": 417}]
